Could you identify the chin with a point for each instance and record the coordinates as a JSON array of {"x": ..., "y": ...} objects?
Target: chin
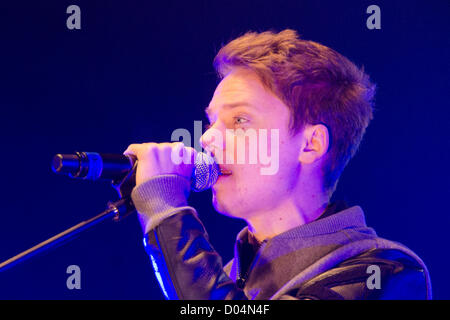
[
  {"x": 218, "y": 205},
  {"x": 222, "y": 208}
]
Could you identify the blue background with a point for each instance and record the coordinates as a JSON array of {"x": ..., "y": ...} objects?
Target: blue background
[{"x": 137, "y": 70}]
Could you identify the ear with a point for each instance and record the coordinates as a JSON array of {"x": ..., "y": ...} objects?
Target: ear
[{"x": 315, "y": 145}]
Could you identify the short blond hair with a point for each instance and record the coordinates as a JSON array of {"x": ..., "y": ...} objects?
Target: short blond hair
[{"x": 316, "y": 83}]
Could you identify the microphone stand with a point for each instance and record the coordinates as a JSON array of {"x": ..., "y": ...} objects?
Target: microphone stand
[{"x": 117, "y": 210}]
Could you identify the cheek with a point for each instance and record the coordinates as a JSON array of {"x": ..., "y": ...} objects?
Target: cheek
[
  {"x": 247, "y": 148},
  {"x": 271, "y": 149},
  {"x": 235, "y": 149},
  {"x": 229, "y": 148},
  {"x": 288, "y": 164}
]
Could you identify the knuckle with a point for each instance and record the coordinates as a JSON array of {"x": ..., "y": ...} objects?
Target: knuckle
[
  {"x": 166, "y": 148},
  {"x": 190, "y": 149},
  {"x": 149, "y": 145},
  {"x": 132, "y": 146},
  {"x": 148, "y": 148},
  {"x": 178, "y": 144}
]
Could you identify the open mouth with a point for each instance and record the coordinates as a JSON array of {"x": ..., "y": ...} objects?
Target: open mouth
[{"x": 225, "y": 172}]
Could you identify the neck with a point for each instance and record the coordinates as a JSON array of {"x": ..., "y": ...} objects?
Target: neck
[{"x": 291, "y": 212}]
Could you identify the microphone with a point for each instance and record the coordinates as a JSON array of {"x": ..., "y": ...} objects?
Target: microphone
[{"x": 115, "y": 167}]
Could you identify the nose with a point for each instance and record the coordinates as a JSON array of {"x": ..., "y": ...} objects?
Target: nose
[
  {"x": 206, "y": 139},
  {"x": 211, "y": 140}
]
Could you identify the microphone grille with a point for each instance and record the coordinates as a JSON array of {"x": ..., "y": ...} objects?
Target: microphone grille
[{"x": 206, "y": 172}]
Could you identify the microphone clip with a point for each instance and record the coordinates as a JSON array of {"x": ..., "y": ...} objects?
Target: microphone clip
[{"x": 124, "y": 206}]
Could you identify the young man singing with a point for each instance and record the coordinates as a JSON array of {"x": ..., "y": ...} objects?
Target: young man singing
[{"x": 297, "y": 244}]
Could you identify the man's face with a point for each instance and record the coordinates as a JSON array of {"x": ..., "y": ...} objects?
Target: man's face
[{"x": 240, "y": 107}]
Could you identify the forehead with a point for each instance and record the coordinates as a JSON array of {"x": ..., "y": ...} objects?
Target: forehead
[{"x": 241, "y": 87}]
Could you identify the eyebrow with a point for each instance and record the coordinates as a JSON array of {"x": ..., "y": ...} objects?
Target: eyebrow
[{"x": 230, "y": 106}]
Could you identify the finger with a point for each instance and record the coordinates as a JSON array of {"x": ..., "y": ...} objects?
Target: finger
[
  {"x": 137, "y": 149},
  {"x": 176, "y": 149},
  {"x": 132, "y": 149},
  {"x": 190, "y": 154},
  {"x": 166, "y": 149},
  {"x": 187, "y": 154}
]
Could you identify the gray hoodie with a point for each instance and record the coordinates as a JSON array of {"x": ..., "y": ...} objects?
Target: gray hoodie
[{"x": 281, "y": 265}]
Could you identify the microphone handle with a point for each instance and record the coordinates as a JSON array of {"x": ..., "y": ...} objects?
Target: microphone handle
[{"x": 93, "y": 166}]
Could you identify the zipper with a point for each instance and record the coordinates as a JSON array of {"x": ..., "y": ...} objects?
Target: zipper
[{"x": 243, "y": 278}]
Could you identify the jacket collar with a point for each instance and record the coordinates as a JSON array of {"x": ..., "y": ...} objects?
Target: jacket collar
[
  {"x": 303, "y": 244},
  {"x": 329, "y": 222}
]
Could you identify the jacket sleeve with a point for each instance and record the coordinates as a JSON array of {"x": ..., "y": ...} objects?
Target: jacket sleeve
[{"x": 185, "y": 263}]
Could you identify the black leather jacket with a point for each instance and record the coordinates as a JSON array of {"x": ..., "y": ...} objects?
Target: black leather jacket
[{"x": 188, "y": 267}]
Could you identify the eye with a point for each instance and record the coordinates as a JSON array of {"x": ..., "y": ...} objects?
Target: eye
[{"x": 240, "y": 120}]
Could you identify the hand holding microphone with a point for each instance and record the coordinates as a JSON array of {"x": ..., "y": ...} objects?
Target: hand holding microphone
[{"x": 161, "y": 158}]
